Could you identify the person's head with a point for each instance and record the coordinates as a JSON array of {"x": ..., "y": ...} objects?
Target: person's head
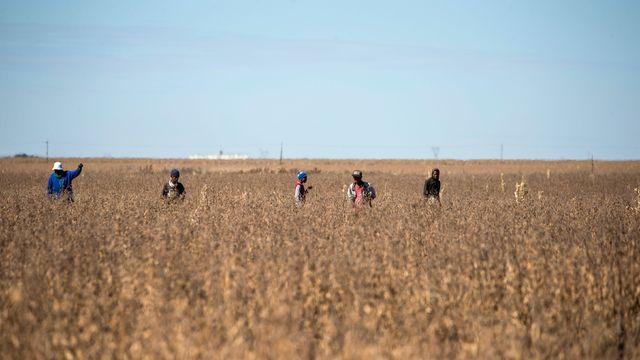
[
  {"x": 57, "y": 168},
  {"x": 302, "y": 176},
  {"x": 357, "y": 176},
  {"x": 175, "y": 175},
  {"x": 435, "y": 173}
]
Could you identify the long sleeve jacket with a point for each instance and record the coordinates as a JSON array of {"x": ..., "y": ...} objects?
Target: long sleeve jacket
[
  {"x": 60, "y": 183},
  {"x": 431, "y": 188}
]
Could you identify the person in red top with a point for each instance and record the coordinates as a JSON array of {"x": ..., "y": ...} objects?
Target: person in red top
[
  {"x": 300, "y": 192},
  {"x": 360, "y": 192}
]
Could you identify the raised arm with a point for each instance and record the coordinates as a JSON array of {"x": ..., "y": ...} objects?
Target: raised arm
[{"x": 74, "y": 173}]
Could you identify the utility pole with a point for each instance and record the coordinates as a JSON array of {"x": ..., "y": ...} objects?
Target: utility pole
[
  {"x": 501, "y": 151},
  {"x": 436, "y": 151},
  {"x": 281, "y": 146},
  {"x": 47, "y": 144}
]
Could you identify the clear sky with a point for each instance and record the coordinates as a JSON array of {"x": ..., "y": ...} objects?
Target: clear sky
[{"x": 337, "y": 79}]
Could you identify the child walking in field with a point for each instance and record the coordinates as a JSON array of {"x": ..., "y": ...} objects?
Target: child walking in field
[
  {"x": 173, "y": 190},
  {"x": 300, "y": 193},
  {"x": 360, "y": 193}
]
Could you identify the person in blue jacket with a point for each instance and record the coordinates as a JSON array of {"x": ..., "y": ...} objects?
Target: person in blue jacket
[{"x": 60, "y": 182}]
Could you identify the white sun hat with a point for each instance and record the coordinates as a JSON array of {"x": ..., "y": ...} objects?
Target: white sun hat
[{"x": 57, "y": 165}]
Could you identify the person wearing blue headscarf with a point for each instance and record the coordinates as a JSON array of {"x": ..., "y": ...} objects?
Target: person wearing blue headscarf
[{"x": 300, "y": 193}]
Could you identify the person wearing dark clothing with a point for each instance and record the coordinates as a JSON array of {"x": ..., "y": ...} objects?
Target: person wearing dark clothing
[
  {"x": 431, "y": 189},
  {"x": 59, "y": 184},
  {"x": 173, "y": 189}
]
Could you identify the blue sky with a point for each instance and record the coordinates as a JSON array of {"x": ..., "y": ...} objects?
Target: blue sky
[{"x": 330, "y": 79}]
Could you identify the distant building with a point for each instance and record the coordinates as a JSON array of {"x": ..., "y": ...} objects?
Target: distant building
[{"x": 219, "y": 156}]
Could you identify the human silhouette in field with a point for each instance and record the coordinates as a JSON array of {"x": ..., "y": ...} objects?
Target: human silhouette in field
[
  {"x": 300, "y": 193},
  {"x": 431, "y": 191},
  {"x": 360, "y": 192},
  {"x": 173, "y": 190},
  {"x": 59, "y": 185}
]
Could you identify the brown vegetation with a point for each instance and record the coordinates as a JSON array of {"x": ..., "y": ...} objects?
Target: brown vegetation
[{"x": 236, "y": 270}]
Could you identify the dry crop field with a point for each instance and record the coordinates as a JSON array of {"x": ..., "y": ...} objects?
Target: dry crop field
[{"x": 237, "y": 271}]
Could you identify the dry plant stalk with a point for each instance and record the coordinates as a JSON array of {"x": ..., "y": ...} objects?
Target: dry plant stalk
[
  {"x": 237, "y": 271},
  {"x": 202, "y": 200},
  {"x": 548, "y": 174},
  {"x": 521, "y": 191},
  {"x": 502, "y": 184}
]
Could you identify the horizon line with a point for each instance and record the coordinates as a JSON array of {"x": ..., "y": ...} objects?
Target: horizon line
[{"x": 51, "y": 158}]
